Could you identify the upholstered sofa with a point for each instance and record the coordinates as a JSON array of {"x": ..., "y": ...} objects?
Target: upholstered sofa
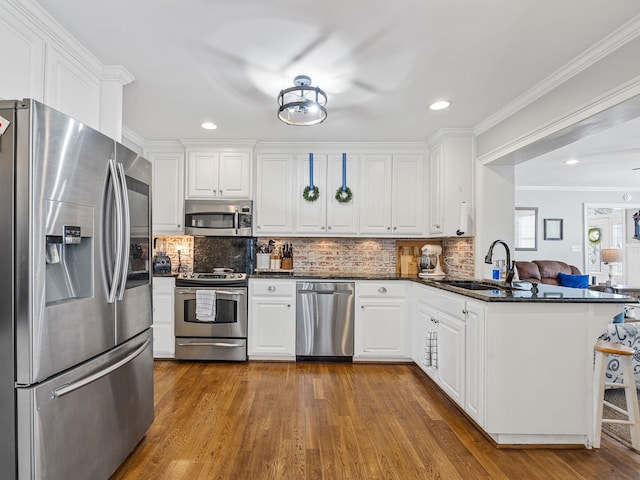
[{"x": 544, "y": 271}]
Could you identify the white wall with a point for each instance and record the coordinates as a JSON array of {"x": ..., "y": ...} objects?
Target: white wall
[{"x": 567, "y": 205}]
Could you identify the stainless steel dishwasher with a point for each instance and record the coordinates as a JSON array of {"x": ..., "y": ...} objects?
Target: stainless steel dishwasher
[{"x": 324, "y": 320}]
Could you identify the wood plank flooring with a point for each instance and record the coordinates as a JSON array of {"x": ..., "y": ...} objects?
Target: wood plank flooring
[{"x": 262, "y": 420}]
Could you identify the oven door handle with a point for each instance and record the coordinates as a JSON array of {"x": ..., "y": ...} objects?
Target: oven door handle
[
  {"x": 192, "y": 291},
  {"x": 227, "y": 292},
  {"x": 210, "y": 344}
]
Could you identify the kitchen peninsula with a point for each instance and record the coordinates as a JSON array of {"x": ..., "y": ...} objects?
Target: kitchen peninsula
[{"x": 518, "y": 363}]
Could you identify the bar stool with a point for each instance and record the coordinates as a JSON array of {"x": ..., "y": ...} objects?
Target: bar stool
[{"x": 603, "y": 350}]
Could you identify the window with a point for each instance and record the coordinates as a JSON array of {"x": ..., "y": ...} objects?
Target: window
[{"x": 526, "y": 228}]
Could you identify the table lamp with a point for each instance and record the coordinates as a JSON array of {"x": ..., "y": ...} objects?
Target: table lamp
[{"x": 609, "y": 256}]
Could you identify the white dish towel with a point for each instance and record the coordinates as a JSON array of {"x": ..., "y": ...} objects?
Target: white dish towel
[
  {"x": 430, "y": 356},
  {"x": 206, "y": 305}
]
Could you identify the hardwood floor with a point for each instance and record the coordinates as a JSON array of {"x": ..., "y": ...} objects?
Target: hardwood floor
[{"x": 262, "y": 420}]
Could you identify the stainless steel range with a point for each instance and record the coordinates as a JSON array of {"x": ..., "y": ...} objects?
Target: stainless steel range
[{"x": 211, "y": 316}]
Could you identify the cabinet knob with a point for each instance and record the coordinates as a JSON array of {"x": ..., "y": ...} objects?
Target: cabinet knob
[
  {"x": 436, "y": 226},
  {"x": 221, "y": 194},
  {"x": 329, "y": 228},
  {"x": 288, "y": 305},
  {"x": 465, "y": 311},
  {"x": 382, "y": 290},
  {"x": 395, "y": 228},
  {"x": 388, "y": 228},
  {"x": 215, "y": 192},
  {"x": 271, "y": 288},
  {"x": 322, "y": 227}
]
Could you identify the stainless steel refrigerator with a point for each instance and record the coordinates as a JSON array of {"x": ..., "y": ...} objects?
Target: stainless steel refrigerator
[{"x": 76, "y": 365}]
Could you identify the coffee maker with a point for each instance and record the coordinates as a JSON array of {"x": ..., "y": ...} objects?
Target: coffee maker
[{"x": 430, "y": 261}]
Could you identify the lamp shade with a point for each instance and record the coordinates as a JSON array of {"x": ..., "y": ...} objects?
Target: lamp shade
[{"x": 611, "y": 255}]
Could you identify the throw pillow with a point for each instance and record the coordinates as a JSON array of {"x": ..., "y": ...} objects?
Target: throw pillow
[{"x": 573, "y": 281}]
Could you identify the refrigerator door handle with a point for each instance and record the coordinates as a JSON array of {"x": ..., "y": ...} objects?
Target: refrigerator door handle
[
  {"x": 125, "y": 231},
  {"x": 117, "y": 271},
  {"x": 72, "y": 387},
  {"x": 236, "y": 221}
]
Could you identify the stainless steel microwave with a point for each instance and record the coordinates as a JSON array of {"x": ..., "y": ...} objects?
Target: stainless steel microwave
[{"x": 218, "y": 218}]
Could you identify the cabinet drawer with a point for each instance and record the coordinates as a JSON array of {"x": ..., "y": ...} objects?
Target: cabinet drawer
[
  {"x": 450, "y": 303},
  {"x": 272, "y": 288},
  {"x": 382, "y": 290}
]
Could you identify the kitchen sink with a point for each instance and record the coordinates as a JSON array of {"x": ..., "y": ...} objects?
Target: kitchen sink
[
  {"x": 473, "y": 285},
  {"x": 485, "y": 285}
]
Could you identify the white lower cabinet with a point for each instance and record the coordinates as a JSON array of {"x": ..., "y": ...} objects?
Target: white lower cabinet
[
  {"x": 451, "y": 356},
  {"x": 474, "y": 403},
  {"x": 381, "y": 329},
  {"x": 272, "y": 319},
  {"x": 442, "y": 356},
  {"x": 163, "y": 317}
]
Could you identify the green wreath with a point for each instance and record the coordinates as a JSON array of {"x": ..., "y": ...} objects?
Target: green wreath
[
  {"x": 311, "y": 194},
  {"x": 344, "y": 196}
]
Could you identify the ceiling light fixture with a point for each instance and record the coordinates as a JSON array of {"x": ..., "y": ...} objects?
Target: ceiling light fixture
[
  {"x": 440, "y": 105},
  {"x": 572, "y": 161},
  {"x": 302, "y": 104},
  {"x": 209, "y": 126}
]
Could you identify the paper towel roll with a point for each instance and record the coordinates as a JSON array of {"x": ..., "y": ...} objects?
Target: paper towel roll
[{"x": 463, "y": 223}]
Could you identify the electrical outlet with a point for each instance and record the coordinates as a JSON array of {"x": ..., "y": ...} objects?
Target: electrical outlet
[
  {"x": 386, "y": 258},
  {"x": 576, "y": 248}
]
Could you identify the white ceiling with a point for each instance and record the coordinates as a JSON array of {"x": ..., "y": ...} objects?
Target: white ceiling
[
  {"x": 605, "y": 159},
  {"x": 381, "y": 62}
]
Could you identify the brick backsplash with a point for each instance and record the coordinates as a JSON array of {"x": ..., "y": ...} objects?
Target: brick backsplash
[
  {"x": 361, "y": 255},
  {"x": 315, "y": 255},
  {"x": 171, "y": 245},
  {"x": 459, "y": 257}
]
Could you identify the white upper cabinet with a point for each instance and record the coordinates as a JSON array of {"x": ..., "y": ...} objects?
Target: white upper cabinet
[
  {"x": 218, "y": 173},
  {"x": 451, "y": 157},
  {"x": 274, "y": 194},
  {"x": 326, "y": 215},
  {"x": 42, "y": 61},
  {"x": 392, "y": 201},
  {"x": 167, "y": 191}
]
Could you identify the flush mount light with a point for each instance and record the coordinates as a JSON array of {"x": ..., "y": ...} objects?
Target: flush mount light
[
  {"x": 440, "y": 105},
  {"x": 209, "y": 126},
  {"x": 572, "y": 161},
  {"x": 302, "y": 104}
]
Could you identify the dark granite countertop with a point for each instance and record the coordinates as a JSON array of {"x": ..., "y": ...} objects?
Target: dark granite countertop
[
  {"x": 546, "y": 293},
  {"x": 165, "y": 274}
]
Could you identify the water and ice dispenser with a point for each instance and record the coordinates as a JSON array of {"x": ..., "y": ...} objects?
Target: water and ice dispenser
[{"x": 68, "y": 252}]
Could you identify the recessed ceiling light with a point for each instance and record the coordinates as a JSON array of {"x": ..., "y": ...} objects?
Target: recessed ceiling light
[
  {"x": 573, "y": 161},
  {"x": 440, "y": 105},
  {"x": 209, "y": 126}
]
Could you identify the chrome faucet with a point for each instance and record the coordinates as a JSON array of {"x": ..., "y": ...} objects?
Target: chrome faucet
[{"x": 510, "y": 265}]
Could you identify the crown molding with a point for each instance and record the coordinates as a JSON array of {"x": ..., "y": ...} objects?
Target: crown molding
[
  {"x": 117, "y": 73},
  {"x": 39, "y": 19},
  {"x": 599, "y": 104},
  {"x": 450, "y": 132},
  {"x": 202, "y": 143},
  {"x": 133, "y": 137},
  {"x": 555, "y": 188},
  {"x": 394, "y": 147},
  {"x": 592, "y": 55}
]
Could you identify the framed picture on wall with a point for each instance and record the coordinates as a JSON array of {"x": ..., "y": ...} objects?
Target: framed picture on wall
[{"x": 553, "y": 229}]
